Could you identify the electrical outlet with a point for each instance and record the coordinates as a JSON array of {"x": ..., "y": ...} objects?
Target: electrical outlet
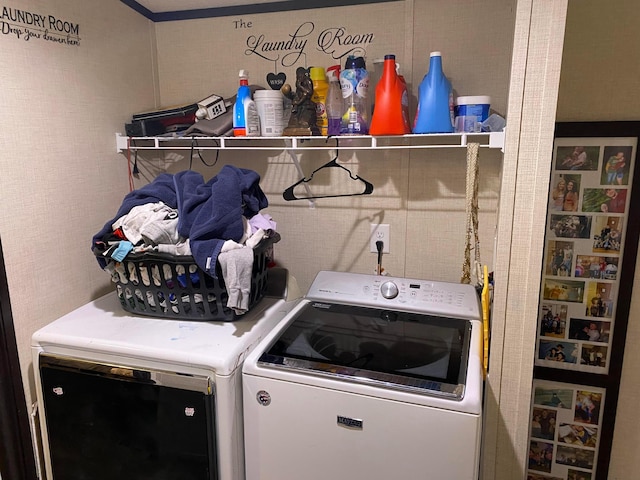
[{"x": 379, "y": 232}]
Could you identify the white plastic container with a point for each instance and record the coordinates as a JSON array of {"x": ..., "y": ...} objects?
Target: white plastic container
[
  {"x": 470, "y": 112},
  {"x": 270, "y": 105}
]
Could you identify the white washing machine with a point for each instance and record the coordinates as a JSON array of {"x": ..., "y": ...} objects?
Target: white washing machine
[
  {"x": 368, "y": 377},
  {"x": 139, "y": 398}
]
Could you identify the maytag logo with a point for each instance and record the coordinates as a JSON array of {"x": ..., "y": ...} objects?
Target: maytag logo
[
  {"x": 320, "y": 305},
  {"x": 350, "y": 422},
  {"x": 263, "y": 398}
]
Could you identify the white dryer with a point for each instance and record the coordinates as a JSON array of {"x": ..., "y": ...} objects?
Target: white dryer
[
  {"x": 369, "y": 377},
  {"x": 141, "y": 398}
]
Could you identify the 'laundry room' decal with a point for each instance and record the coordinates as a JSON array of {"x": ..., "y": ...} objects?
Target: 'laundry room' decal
[
  {"x": 290, "y": 50},
  {"x": 29, "y": 26}
]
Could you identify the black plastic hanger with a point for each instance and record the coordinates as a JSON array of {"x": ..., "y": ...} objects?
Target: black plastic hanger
[{"x": 289, "y": 195}]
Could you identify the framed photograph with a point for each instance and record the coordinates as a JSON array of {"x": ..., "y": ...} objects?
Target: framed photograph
[
  {"x": 594, "y": 266},
  {"x": 533, "y": 476},
  {"x": 589, "y": 261},
  {"x": 615, "y": 165},
  {"x": 559, "y": 258},
  {"x": 578, "y": 157},
  {"x": 553, "y": 320},
  {"x": 606, "y": 200},
  {"x": 590, "y": 198},
  {"x": 540, "y": 456},
  {"x": 570, "y": 226},
  {"x": 590, "y": 330},
  {"x": 576, "y": 457},
  {"x": 565, "y": 430},
  {"x": 607, "y": 235},
  {"x": 564, "y": 193},
  {"x": 565, "y": 290},
  {"x": 553, "y": 397},
  {"x": 593, "y": 355},
  {"x": 578, "y": 475},
  {"x": 543, "y": 423},
  {"x": 559, "y": 352},
  {"x": 578, "y": 434}
]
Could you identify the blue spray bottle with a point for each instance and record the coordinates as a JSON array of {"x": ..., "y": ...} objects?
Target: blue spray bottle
[{"x": 246, "y": 122}]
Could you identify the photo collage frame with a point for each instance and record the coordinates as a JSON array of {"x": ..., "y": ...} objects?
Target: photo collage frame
[
  {"x": 565, "y": 427},
  {"x": 586, "y": 224}
]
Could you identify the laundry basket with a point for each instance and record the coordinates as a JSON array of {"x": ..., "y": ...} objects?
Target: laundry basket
[{"x": 168, "y": 286}]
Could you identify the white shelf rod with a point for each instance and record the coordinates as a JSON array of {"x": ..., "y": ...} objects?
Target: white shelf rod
[{"x": 361, "y": 142}]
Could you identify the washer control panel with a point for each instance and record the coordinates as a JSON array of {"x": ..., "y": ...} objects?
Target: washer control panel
[{"x": 423, "y": 296}]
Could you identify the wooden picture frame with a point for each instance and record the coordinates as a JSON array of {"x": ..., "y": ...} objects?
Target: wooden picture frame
[{"x": 589, "y": 259}]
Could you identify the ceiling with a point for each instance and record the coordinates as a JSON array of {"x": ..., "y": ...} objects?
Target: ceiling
[{"x": 168, "y": 10}]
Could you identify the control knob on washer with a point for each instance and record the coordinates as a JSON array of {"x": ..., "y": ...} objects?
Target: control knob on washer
[{"x": 389, "y": 290}]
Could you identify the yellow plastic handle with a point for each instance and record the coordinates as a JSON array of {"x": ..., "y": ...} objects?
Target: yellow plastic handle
[{"x": 485, "y": 300}]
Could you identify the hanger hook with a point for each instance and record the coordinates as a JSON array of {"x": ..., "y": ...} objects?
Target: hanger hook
[{"x": 337, "y": 141}]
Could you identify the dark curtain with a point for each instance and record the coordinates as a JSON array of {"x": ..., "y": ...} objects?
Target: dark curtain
[{"x": 16, "y": 455}]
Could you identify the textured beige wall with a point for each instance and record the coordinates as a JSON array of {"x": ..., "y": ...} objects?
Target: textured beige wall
[
  {"x": 600, "y": 67},
  {"x": 80, "y": 180},
  {"x": 600, "y": 81},
  {"x": 61, "y": 106},
  {"x": 419, "y": 193}
]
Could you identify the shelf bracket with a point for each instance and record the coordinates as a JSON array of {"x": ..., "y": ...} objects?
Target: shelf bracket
[
  {"x": 496, "y": 139},
  {"x": 122, "y": 143}
]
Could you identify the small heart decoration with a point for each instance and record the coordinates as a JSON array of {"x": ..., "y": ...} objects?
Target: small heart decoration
[{"x": 276, "y": 80}]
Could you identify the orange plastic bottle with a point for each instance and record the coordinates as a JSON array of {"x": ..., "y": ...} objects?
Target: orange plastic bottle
[{"x": 389, "y": 116}]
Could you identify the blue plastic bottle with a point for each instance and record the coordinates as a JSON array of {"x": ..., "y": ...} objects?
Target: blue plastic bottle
[{"x": 435, "y": 100}]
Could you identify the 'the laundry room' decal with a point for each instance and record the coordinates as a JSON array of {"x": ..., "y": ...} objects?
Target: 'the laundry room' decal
[
  {"x": 290, "y": 49},
  {"x": 30, "y": 26}
]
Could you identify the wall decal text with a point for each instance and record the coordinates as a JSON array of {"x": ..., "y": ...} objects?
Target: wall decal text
[
  {"x": 287, "y": 51},
  {"x": 28, "y": 26}
]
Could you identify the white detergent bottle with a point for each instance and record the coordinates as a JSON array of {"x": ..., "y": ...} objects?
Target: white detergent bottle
[{"x": 246, "y": 122}]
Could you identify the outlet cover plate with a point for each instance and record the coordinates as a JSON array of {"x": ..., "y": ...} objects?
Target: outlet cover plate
[{"x": 379, "y": 232}]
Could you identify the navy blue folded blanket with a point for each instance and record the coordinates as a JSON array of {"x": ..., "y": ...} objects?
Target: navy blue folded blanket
[{"x": 209, "y": 213}]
